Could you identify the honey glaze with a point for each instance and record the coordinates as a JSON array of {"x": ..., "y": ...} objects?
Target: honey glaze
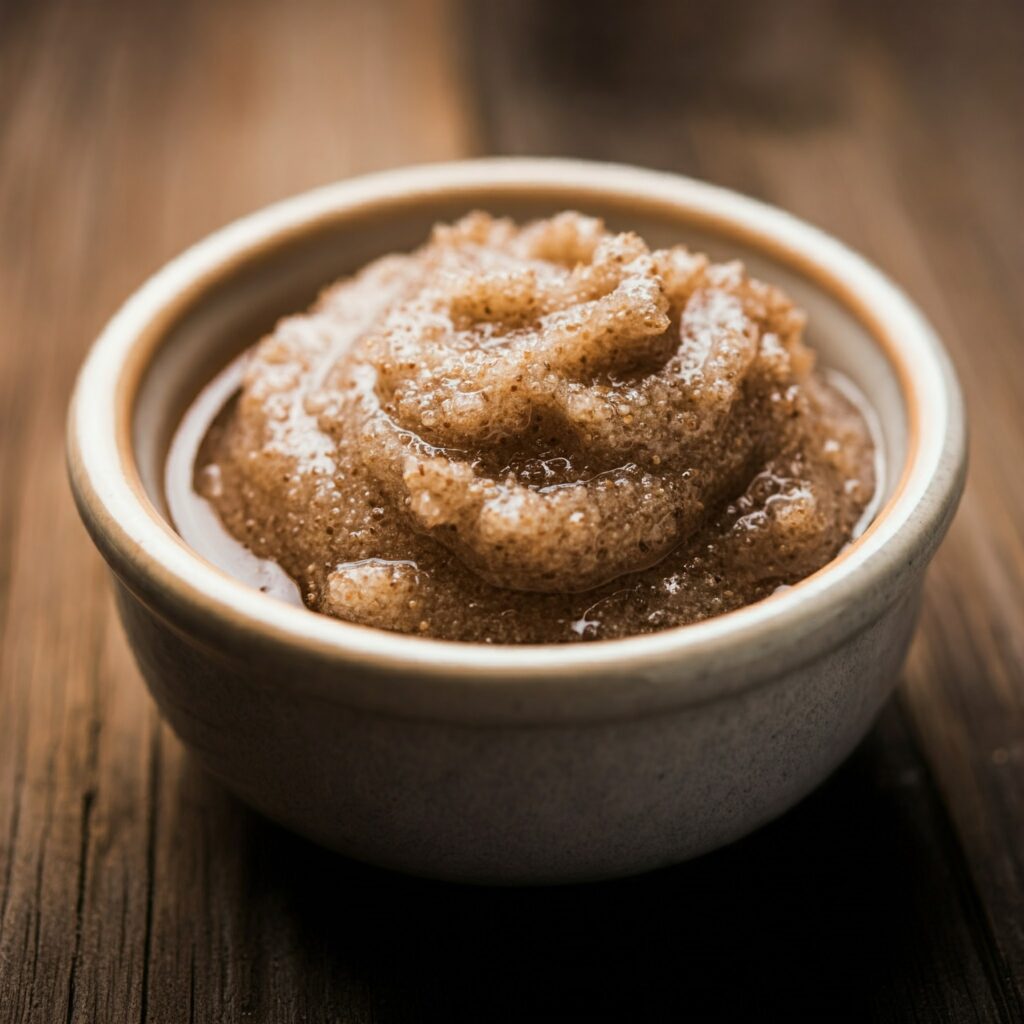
[{"x": 546, "y": 433}]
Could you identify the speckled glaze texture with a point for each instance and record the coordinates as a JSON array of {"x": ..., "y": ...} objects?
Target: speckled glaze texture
[
  {"x": 522, "y": 803},
  {"x": 493, "y": 764}
]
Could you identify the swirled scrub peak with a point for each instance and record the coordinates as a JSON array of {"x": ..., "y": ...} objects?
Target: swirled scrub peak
[{"x": 539, "y": 433}]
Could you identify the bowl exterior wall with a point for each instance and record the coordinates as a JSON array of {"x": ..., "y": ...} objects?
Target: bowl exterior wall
[{"x": 517, "y": 803}]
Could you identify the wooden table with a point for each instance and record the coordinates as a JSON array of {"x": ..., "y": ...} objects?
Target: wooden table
[{"x": 133, "y": 888}]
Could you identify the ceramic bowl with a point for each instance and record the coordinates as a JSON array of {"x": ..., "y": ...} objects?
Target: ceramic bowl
[{"x": 498, "y": 764}]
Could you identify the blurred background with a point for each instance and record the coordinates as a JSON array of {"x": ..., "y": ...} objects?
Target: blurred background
[{"x": 130, "y": 884}]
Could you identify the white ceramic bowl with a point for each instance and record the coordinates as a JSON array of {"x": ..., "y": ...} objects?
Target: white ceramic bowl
[{"x": 510, "y": 764}]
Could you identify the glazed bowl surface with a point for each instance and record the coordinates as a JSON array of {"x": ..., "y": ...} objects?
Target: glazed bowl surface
[{"x": 488, "y": 763}]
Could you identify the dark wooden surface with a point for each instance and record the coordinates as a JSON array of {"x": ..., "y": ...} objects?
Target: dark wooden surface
[{"x": 132, "y": 887}]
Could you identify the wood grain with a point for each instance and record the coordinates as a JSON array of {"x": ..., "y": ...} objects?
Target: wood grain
[{"x": 131, "y": 886}]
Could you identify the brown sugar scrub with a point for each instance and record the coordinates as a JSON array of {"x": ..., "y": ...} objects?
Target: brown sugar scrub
[{"x": 532, "y": 434}]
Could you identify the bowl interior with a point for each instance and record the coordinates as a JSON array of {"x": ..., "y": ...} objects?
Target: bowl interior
[{"x": 226, "y": 314}]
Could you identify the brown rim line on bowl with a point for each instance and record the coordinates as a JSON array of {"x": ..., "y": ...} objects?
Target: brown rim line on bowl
[{"x": 577, "y": 680}]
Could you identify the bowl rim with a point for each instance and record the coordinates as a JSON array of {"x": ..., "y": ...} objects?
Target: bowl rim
[{"x": 746, "y": 644}]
